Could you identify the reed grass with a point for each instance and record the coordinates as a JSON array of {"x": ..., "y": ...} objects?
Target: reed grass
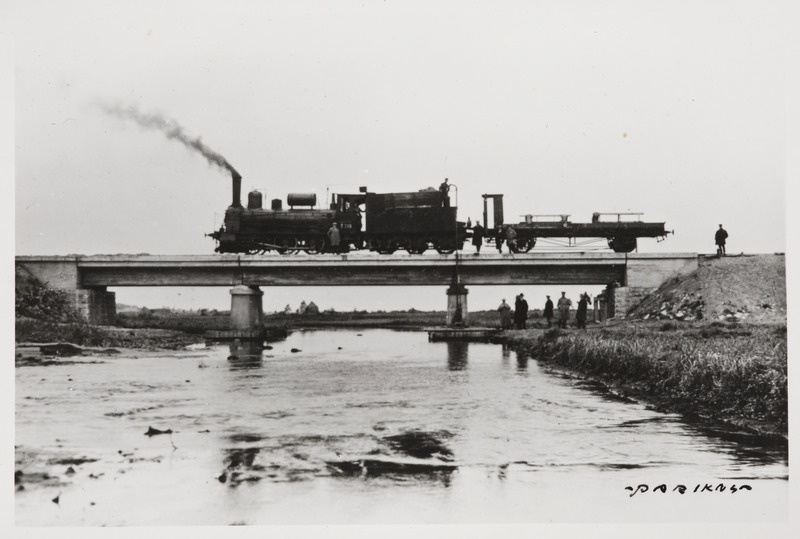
[{"x": 722, "y": 371}]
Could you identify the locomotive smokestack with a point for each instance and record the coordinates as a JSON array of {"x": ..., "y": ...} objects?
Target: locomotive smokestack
[
  {"x": 173, "y": 131},
  {"x": 237, "y": 187}
]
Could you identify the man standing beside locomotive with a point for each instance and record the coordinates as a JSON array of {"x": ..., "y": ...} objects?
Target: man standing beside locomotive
[
  {"x": 334, "y": 238},
  {"x": 477, "y": 237},
  {"x": 511, "y": 239},
  {"x": 499, "y": 238},
  {"x": 719, "y": 239}
]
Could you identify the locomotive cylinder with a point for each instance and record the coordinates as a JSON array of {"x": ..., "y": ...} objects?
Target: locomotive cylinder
[{"x": 301, "y": 199}]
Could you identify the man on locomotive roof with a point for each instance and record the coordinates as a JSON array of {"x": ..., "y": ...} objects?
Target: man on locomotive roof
[{"x": 444, "y": 188}]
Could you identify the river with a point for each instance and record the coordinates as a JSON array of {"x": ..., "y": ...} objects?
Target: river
[{"x": 367, "y": 426}]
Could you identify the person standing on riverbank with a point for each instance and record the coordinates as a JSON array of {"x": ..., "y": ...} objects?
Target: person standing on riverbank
[
  {"x": 521, "y": 312},
  {"x": 505, "y": 315},
  {"x": 564, "y": 303},
  {"x": 719, "y": 239},
  {"x": 548, "y": 311},
  {"x": 580, "y": 315}
]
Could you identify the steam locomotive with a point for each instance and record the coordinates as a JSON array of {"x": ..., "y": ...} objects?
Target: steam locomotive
[
  {"x": 410, "y": 221},
  {"x": 387, "y": 222}
]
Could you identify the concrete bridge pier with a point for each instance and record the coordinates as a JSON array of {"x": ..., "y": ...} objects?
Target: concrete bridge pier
[
  {"x": 96, "y": 305},
  {"x": 93, "y": 302},
  {"x": 457, "y": 313},
  {"x": 247, "y": 313}
]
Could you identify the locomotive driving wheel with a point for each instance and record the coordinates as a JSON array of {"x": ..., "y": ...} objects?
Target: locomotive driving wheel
[
  {"x": 446, "y": 248},
  {"x": 287, "y": 246},
  {"x": 417, "y": 247},
  {"x": 385, "y": 247},
  {"x": 526, "y": 245},
  {"x": 315, "y": 246}
]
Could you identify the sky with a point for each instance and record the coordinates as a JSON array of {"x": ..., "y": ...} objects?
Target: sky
[{"x": 675, "y": 109}]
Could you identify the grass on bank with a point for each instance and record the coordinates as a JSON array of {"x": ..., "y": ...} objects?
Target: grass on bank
[
  {"x": 716, "y": 370},
  {"x": 40, "y": 331}
]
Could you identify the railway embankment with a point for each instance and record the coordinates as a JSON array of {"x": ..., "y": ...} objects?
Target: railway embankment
[
  {"x": 711, "y": 345},
  {"x": 44, "y": 316}
]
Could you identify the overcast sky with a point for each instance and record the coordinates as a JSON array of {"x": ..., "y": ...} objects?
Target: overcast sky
[{"x": 673, "y": 109}]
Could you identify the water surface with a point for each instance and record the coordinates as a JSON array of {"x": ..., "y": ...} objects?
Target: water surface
[{"x": 370, "y": 426}]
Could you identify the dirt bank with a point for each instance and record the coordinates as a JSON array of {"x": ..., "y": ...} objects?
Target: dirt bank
[
  {"x": 81, "y": 334},
  {"x": 744, "y": 288}
]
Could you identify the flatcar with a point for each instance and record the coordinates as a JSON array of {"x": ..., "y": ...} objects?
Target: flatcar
[{"x": 620, "y": 230}]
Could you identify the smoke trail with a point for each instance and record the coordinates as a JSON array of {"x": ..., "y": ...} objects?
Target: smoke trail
[{"x": 171, "y": 129}]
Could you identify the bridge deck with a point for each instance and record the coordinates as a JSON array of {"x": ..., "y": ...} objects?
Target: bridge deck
[{"x": 353, "y": 269}]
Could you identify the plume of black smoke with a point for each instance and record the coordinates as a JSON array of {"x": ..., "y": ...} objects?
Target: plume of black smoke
[{"x": 172, "y": 130}]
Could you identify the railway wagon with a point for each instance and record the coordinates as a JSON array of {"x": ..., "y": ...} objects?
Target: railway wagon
[{"x": 620, "y": 230}]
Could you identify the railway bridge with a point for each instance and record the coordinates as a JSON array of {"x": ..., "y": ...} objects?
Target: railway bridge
[{"x": 86, "y": 279}]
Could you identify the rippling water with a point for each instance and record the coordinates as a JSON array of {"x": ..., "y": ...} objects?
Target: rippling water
[{"x": 363, "y": 427}]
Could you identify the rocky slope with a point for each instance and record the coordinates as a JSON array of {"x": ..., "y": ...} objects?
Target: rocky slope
[{"x": 749, "y": 288}]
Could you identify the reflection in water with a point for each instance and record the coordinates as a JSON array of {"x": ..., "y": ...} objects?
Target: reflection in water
[
  {"x": 522, "y": 361},
  {"x": 505, "y": 356},
  {"x": 240, "y": 466},
  {"x": 246, "y": 353},
  {"x": 457, "y": 355}
]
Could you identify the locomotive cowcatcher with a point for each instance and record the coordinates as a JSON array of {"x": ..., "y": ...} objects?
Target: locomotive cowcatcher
[{"x": 384, "y": 223}]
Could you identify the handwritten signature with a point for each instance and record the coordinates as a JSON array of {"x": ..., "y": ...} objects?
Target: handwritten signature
[{"x": 683, "y": 489}]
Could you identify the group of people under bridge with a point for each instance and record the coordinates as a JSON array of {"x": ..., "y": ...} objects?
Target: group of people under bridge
[{"x": 518, "y": 317}]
